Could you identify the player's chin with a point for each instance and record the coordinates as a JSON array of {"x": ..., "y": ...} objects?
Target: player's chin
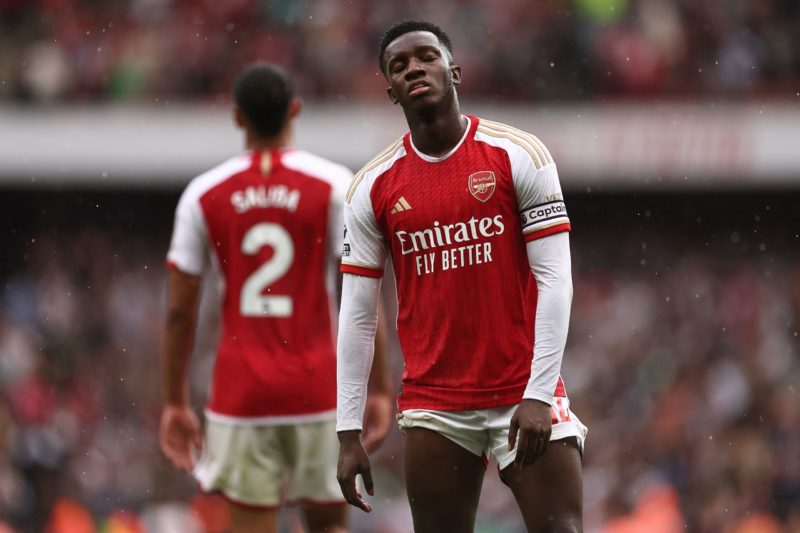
[{"x": 422, "y": 102}]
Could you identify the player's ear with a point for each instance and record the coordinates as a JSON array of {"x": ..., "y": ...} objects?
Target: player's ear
[
  {"x": 455, "y": 71},
  {"x": 392, "y": 96},
  {"x": 238, "y": 117},
  {"x": 295, "y": 106}
]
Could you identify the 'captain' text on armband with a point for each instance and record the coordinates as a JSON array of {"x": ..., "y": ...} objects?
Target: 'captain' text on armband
[
  {"x": 547, "y": 212},
  {"x": 467, "y": 244}
]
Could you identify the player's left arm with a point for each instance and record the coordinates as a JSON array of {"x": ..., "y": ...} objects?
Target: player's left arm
[
  {"x": 179, "y": 430},
  {"x": 549, "y": 260},
  {"x": 545, "y": 228}
]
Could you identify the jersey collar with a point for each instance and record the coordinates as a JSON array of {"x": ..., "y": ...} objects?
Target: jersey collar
[{"x": 431, "y": 159}]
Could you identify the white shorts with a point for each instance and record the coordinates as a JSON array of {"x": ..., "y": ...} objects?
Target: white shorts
[
  {"x": 485, "y": 431},
  {"x": 269, "y": 465}
]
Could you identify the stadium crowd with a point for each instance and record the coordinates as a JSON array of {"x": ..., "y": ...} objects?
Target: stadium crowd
[
  {"x": 167, "y": 50},
  {"x": 681, "y": 360}
]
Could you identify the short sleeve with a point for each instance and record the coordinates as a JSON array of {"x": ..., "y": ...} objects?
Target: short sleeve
[
  {"x": 188, "y": 250},
  {"x": 540, "y": 200},
  {"x": 336, "y": 214},
  {"x": 363, "y": 250}
]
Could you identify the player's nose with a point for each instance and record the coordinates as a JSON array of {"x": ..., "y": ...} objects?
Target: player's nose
[{"x": 415, "y": 69}]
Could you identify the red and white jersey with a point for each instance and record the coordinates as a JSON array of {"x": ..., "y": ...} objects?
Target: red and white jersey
[
  {"x": 269, "y": 224},
  {"x": 455, "y": 228}
]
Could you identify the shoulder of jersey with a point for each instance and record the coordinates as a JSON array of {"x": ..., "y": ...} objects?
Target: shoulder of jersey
[
  {"x": 317, "y": 167},
  {"x": 393, "y": 152},
  {"x": 526, "y": 141},
  {"x": 211, "y": 178}
]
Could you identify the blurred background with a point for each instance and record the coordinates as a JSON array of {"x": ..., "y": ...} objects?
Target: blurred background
[{"x": 676, "y": 127}]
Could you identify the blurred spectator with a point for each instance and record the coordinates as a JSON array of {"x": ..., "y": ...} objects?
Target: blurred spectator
[
  {"x": 70, "y": 517},
  {"x": 159, "y": 50}
]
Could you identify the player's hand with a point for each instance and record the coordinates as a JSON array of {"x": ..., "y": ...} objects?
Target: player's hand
[
  {"x": 353, "y": 460},
  {"x": 532, "y": 420},
  {"x": 179, "y": 435},
  {"x": 377, "y": 420}
]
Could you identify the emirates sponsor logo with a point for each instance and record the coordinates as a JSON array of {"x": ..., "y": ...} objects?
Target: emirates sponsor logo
[
  {"x": 482, "y": 184},
  {"x": 447, "y": 234},
  {"x": 464, "y": 244}
]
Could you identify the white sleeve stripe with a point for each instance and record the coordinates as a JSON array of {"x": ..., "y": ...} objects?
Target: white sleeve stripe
[
  {"x": 382, "y": 157},
  {"x": 351, "y": 191},
  {"x": 537, "y": 159},
  {"x": 533, "y": 139},
  {"x": 370, "y": 176}
]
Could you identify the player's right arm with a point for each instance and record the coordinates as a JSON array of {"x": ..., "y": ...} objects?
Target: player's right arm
[
  {"x": 363, "y": 260},
  {"x": 179, "y": 431},
  {"x": 358, "y": 323},
  {"x": 379, "y": 404}
]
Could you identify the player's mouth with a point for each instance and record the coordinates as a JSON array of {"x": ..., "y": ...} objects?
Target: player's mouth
[{"x": 418, "y": 87}]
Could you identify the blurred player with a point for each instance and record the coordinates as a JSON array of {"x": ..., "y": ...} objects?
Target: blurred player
[
  {"x": 268, "y": 224},
  {"x": 466, "y": 208}
]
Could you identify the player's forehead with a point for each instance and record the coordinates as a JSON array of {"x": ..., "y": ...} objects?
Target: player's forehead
[{"x": 409, "y": 42}]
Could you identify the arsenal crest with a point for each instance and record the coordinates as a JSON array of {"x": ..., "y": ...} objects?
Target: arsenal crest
[{"x": 482, "y": 184}]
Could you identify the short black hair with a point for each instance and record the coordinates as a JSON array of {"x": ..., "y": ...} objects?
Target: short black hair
[
  {"x": 263, "y": 91},
  {"x": 407, "y": 26}
]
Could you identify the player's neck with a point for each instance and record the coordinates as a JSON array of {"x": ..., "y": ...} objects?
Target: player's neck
[
  {"x": 436, "y": 134},
  {"x": 254, "y": 142}
]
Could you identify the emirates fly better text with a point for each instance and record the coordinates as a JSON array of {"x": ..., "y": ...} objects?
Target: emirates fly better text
[{"x": 462, "y": 239}]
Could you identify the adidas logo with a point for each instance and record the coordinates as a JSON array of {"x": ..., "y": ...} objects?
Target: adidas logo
[{"x": 400, "y": 206}]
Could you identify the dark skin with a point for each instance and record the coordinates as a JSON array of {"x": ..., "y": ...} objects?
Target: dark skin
[
  {"x": 179, "y": 431},
  {"x": 422, "y": 81},
  {"x": 442, "y": 478}
]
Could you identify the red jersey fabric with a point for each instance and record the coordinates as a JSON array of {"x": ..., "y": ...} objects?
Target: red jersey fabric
[
  {"x": 455, "y": 228},
  {"x": 270, "y": 223}
]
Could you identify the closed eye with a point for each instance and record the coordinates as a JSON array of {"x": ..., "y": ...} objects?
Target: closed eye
[{"x": 396, "y": 67}]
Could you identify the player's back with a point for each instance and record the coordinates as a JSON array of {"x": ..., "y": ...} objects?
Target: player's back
[{"x": 272, "y": 223}]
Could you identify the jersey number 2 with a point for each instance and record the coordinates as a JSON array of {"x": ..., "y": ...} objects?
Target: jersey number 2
[{"x": 252, "y": 302}]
